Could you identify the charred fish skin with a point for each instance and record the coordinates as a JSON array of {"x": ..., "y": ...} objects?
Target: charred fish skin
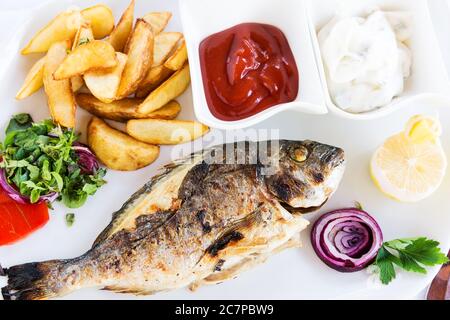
[{"x": 204, "y": 220}]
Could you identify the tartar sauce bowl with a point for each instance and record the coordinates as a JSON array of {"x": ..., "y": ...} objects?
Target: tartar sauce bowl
[
  {"x": 202, "y": 18},
  {"x": 428, "y": 81}
]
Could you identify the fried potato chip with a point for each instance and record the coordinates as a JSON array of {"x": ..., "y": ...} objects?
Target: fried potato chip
[
  {"x": 119, "y": 36},
  {"x": 169, "y": 90},
  {"x": 125, "y": 109},
  {"x": 101, "y": 19},
  {"x": 60, "y": 97},
  {"x": 178, "y": 58},
  {"x": 33, "y": 81},
  {"x": 117, "y": 150},
  {"x": 93, "y": 55},
  {"x": 140, "y": 58},
  {"x": 63, "y": 27},
  {"x": 104, "y": 83},
  {"x": 156, "y": 131},
  {"x": 83, "y": 36},
  {"x": 158, "y": 20}
]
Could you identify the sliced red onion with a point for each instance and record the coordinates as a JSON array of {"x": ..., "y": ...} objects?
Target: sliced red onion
[
  {"x": 50, "y": 197},
  {"x": 17, "y": 196},
  {"x": 87, "y": 160},
  {"x": 347, "y": 240}
]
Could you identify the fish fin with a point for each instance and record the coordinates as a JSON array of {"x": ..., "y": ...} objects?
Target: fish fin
[
  {"x": 134, "y": 291},
  {"x": 106, "y": 233},
  {"x": 231, "y": 272},
  {"x": 30, "y": 281},
  {"x": 141, "y": 193},
  {"x": 293, "y": 210},
  {"x": 247, "y": 263}
]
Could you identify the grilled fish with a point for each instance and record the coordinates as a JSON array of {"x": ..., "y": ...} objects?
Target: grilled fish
[{"x": 203, "y": 220}]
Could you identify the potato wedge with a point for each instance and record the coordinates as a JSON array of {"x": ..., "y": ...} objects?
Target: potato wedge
[
  {"x": 158, "y": 20},
  {"x": 169, "y": 90},
  {"x": 104, "y": 83},
  {"x": 93, "y": 55},
  {"x": 117, "y": 150},
  {"x": 178, "y": 58},
  {"x": 101, "y": 19},
  {"x": 165, "y": 44},
  {"x": 140, "y": 58},
  {"x": 119, "y": 36},
  {"x": 60, "y": 97},
  {"x": 33, "y": 81},
  {"x": 154, "y": 78},
  {"x": 76, "y": 82},
  {"x": 156, "y": 131},
  {"x": 126, "y": 109},
  {"x": 142, "y": 93},
  {"x": 63, "y": 27},
  {"x": 84, "y": 89},
  {"x": 83, "y": 35}
]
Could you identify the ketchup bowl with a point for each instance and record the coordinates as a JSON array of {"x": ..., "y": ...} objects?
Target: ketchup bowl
[{"x": 250, "y": 60}]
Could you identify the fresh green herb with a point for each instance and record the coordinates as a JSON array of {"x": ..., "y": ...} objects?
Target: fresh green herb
[
  {"x": 83, "y": 41},
  {"x": 70, "y": 219},
  {"x": 80, "y": 186},
  {"x": 39, "y": 159},
  {"x": 20, "y": 121},
  {"x": 409, "y": 254}
]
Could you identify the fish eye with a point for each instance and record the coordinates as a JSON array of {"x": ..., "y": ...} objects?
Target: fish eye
[{"x": 299, "y": 154}]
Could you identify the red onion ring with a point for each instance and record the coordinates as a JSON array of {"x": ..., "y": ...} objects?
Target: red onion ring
[
  {"x": 346, "y": 240},
  {"x": 87, "y": 160},
  {"x": 17, "y": 196}
]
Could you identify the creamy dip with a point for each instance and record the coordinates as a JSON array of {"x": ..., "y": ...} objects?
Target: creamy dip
[{"x": 366, "y": 60}]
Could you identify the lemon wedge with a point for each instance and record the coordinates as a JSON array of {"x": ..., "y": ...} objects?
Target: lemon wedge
[
  {"x": 421, "y": 129},
  {"x": 411, "y": 165}
]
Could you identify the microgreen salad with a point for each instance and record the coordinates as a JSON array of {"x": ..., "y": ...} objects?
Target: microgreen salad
[
  {"x": 349, "y": 240},
  {"x": 44, "y": 162}
]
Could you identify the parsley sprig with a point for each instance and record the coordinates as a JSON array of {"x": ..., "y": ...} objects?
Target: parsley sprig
[{"x": 409, "y": 254}]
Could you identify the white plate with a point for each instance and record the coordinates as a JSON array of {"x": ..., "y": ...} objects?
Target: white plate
[
  {"x": 428, "y": 78},
  {"x": 202, "y": 18},
  {"x": 293, "y": 274}
]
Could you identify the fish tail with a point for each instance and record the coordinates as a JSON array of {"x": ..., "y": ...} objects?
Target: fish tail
[{"x": 32, "y": 281}]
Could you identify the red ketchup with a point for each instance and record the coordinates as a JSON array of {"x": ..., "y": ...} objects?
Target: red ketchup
[{"x": 247, "y": 69}]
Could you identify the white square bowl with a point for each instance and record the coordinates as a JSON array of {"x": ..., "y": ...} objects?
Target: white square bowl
[
  {"x": 201, "y": 18},
  {"x": 428, "y": 81}
]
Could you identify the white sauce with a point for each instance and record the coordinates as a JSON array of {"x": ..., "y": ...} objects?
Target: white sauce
[{"x": 366, "y": 61}]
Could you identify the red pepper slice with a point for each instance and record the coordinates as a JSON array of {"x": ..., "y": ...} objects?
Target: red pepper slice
[{"x": 19, "y": 220}]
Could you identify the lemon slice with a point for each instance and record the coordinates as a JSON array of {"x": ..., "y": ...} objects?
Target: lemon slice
[
  {"x": 421, "y": 129},
  {"x": 411, "y": 165}
]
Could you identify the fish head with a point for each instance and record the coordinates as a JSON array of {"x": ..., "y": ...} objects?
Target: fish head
[{"x": 306, "y": 174}]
